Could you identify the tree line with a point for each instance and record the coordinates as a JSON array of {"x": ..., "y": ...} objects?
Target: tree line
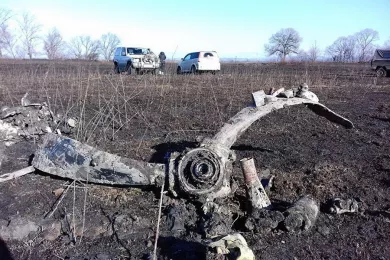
[
  {"x": 358, "y": 47},
  {"x": 28, "y": 37}
]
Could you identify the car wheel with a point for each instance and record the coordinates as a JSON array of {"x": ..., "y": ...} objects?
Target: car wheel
[
  {"x": 381, "y": 72},
  {"x": 178, "y": 70},
  {"x": 193, "y": 70},
  {"x": 116, "y": 68},
  {"x": 137, "y": 71},
  {"x": 129, "y": 69}
]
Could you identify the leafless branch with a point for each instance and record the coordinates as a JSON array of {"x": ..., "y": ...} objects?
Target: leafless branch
[
  {"x": 5, "y": 15},
  {"x": 343, "y": 49},
  {"x": 54, "y": 44},
  {"x": 108, "y": 43},
  {"x": 30, "y": 30},
  {"x": 283, "y": 43},
  {"x": 365, "y": 43},
  {"x": 83, "y": 47}
]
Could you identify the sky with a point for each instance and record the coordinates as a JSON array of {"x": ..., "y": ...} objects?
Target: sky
[{"x": 232, "y": 28}]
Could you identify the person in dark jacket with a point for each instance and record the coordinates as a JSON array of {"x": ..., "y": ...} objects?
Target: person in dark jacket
[{"x": 162, "y": 58}]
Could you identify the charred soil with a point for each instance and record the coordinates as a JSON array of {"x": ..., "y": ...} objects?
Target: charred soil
[{"x": 144, "y": 117}]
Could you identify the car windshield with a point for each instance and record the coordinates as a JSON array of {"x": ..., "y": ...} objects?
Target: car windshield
[{"x": 138, "y": 51}]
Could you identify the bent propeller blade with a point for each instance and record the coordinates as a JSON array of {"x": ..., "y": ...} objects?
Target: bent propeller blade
[
  {"x": 329, "y": 114},
  {"x": 68, "y": 158},
  {"x": 236, "y": 126}
]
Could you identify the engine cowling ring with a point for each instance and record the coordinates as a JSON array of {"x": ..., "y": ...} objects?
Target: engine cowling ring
[{"x": 200, "y": 171}]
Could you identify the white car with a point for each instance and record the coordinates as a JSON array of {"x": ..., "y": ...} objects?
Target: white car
[
  {"x": 200, "y": 61},
  {"x": 135, "y": 58}
]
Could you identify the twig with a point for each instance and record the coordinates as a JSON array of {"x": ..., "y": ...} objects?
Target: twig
[
  {"x": 158, "y": 223},
  {"x": 59, "y": 257},
  {"x": 73, "y": 213},
  {"x": 84, "y": 210},
  {"x": 58, "y": 202},
  {"x": 16, "y": 174}
]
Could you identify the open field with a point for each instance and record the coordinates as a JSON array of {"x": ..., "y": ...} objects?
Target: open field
[{"x": 143, "y": 117}]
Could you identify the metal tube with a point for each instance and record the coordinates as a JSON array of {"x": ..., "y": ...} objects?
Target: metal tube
[{"x": 255, "y": 190}]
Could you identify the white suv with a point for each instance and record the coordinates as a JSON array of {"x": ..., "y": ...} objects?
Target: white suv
[
  {"x": 198, "y": 62},
  {"x": 135, "y": 58}
]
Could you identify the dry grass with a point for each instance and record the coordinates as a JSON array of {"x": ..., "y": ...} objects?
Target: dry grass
[{"x": 146, "y": 108}]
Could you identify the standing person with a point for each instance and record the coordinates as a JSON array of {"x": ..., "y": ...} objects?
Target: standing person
[{"x": 162, "y": 58}]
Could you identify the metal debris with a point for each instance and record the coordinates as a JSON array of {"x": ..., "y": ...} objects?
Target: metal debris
[
  {"x": 258, "y": 98},
  {"x": 264, "y": 220},
  {"x": 277, "y": 92},
  {"x": 71, "y": 159},
  {"x": 202, "y": 173},
  {"x": 289, "y": 93},
  {"x": 71, "y": 122},
  {"x": 341, "y": 206},
  {"x": 301, "y": 92},
  {"x": 28, "y": 120},
  {"x": 217, "y": 219},
  {"x": 16, "y": 174},
  {"x": 302, "y": 215},
  {"x": 238, "y": 124},
  {"x": 255, "y": 190},
  {"x": 7, "y": 131},
  {"x": 227, "y": 245}
]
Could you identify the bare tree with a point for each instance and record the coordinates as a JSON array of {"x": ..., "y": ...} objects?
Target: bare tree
[
  {"x": 5, "y": 15},
  {"x": 53, "y": 44},
  {"x": 314, "y": 52},
  {"x": 30, "y": 30},
  {"x": 302, "y": 56},
  {"x": 20, "y": 52},
  {"x": 76, "y": 48},
  {"x": 108, "y": 43},
  {"x": 283, "y": 43},
  {"x": 8, "y": 41},
  {"x": 365, "y": 43},
  {"x": 343, "y": 49},
  {"x": 83, "y": 47}
]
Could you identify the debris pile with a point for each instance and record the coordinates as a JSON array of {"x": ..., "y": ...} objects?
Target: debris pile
[
  {"x": 216, "y": 219},
  {"x": 341, "y": 206},
  {"x": 302, "y": 91},
  {"x": 201, "y": 175},
  {"x": 31, "y": 120},
  {"x": 234, "y": 246},
  {"x": 302, "y": 215},
  {"x": 264, "y": 220},
  {"x": 28, "y": 121}
]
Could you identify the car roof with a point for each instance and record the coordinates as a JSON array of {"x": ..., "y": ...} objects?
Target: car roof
[
  {"x": 381, "y": 52},
  {"x": 200, "y": 51}
]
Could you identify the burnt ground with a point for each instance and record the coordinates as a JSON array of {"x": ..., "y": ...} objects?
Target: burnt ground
[{"x": 144, "y": 116}]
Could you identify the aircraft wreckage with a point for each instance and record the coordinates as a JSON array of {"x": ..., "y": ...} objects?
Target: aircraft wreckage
[{"x": 200, "y": 173}]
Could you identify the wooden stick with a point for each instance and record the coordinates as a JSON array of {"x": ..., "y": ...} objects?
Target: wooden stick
[
  {"x": 58, "y": 202},
  {"x": 158, "y": 223},
  {"x": 16, "y": 174}
]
